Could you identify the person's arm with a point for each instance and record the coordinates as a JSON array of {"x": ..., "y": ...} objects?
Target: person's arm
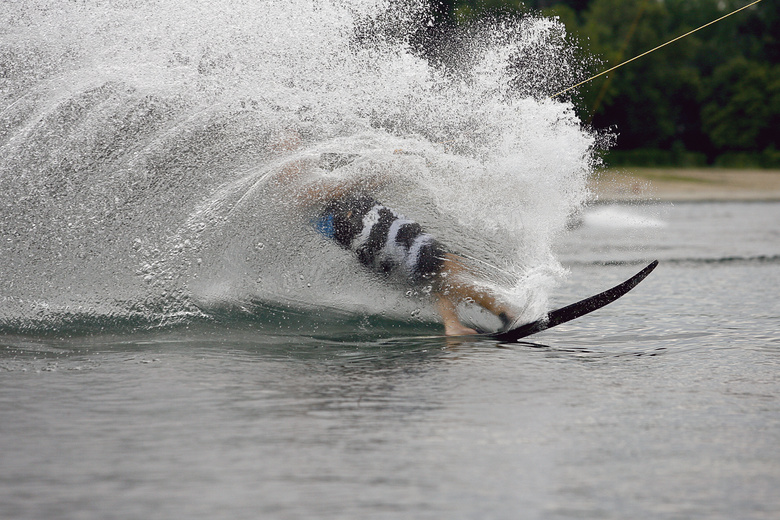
[{"x": 292, "y": 177}]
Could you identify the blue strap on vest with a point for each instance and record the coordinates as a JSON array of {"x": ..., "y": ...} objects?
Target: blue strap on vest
[{"x": 323, "y": 224}]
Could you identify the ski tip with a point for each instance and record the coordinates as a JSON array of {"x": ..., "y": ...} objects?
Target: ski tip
[
  {"x": 652, "y": 265},
  {"x": 575, "y": 310},
  {"x": 634, "y": 280}
]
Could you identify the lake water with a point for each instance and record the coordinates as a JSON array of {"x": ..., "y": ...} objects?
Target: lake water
[{"x": 665, "y": 404}]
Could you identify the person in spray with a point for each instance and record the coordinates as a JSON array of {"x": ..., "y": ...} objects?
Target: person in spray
[{"x": 385, "y": 241}]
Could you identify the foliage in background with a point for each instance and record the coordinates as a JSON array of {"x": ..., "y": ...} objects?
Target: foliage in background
[{"x": 710, "y": 98}]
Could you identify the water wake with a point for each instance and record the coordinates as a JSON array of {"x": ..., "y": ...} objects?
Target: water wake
[{"x": 139, "y": 143}]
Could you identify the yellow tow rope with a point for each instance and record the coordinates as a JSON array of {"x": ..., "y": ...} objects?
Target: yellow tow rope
[{"x": 655, "y": 49}]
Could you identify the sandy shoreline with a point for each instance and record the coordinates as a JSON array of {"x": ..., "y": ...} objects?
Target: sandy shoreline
[{"x": 685, "y": 184}]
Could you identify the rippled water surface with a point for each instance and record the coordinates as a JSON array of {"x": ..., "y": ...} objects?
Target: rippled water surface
[{"x": 665, "y": 404}]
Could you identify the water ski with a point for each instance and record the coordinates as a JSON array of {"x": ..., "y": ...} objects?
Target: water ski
[{"x": 573, "y": 311}]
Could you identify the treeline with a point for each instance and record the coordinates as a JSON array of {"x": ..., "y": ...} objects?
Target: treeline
[{"x": 712, "y": 98}]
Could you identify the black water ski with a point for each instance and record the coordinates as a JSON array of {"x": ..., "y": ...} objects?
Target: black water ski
[{"x": 575, "y": 310}]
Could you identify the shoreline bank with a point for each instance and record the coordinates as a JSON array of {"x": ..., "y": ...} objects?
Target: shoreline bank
[{"x": 684, "y": 184}]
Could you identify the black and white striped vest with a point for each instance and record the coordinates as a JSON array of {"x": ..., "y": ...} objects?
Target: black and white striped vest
[{"x": 384, "y": 240}]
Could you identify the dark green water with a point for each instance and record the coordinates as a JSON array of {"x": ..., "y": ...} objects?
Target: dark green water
[{"x": 665, "y": 404}]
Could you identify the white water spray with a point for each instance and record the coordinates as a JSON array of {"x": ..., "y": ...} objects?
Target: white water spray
[{"x": 137, "y": 140}]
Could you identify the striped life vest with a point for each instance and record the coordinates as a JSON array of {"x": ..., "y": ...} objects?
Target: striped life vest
[{"x": 383, "y": 240}]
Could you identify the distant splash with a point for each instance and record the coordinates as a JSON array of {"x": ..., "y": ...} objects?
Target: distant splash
[
  {"x": 615, "y": 217},
  {"x": 137, "y": 140}
]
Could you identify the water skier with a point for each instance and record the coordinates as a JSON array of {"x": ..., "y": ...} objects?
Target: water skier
[{"x": 385, "y": 241}]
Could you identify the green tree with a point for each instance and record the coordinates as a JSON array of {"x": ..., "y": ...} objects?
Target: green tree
[
  {"x": 742, "y": 112},
  {"x": 638, "y": 99},
  {"x": 714, "y": 91}
]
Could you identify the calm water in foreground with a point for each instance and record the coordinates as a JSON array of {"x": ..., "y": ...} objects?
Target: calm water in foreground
[{"x": 664, "y": 405}]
